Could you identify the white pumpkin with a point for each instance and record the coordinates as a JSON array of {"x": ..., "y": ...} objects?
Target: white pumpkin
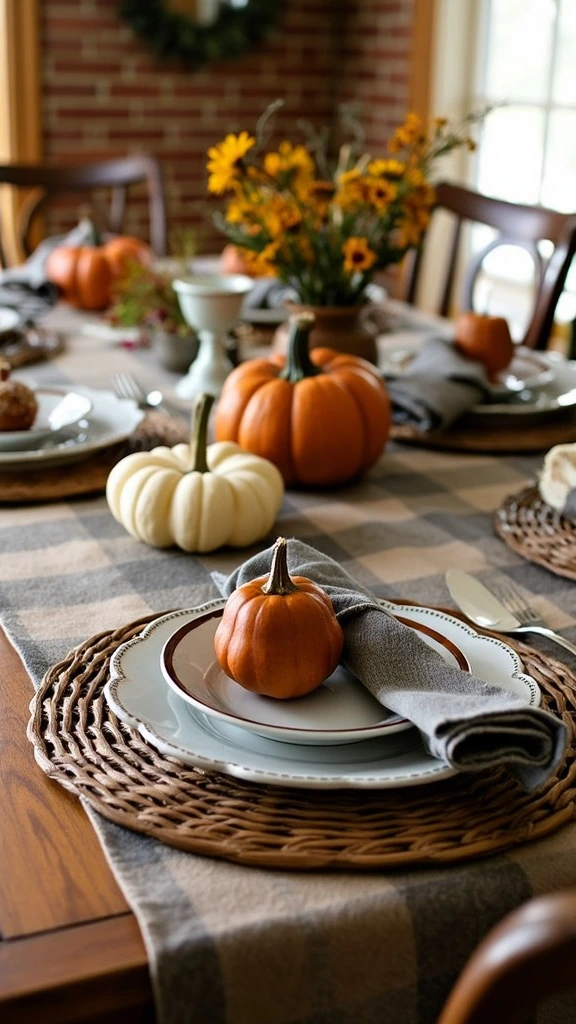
[
  {"x": 195, "y": 496},
  {"x": 558, "y": 476}
]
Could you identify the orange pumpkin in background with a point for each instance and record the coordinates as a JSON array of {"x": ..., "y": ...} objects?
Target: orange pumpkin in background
[
  {"x": 85, "y": 273},
  {"x": 279, "y": 635},
  {"x": 485, "y": 338},
  {"x": 232, "y": 261},
  {"x": 321, "y": 417}
]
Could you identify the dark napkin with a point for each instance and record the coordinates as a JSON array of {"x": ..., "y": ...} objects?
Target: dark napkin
[
  {"x": 26, "y": 288},
  {"x": 464, "y": 721},
  {"x": 269, "y": 293},
  {"x": 439, "y": 385}
]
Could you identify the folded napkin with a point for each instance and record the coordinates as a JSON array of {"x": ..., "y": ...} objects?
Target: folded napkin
[
  {"x": 269, "y": 293},
  {"x": 463, "y": 720},
  {"x": 557, "y": 482},
  {"x": 439, "y": 385},
  {"x": 26, "y": 288}
]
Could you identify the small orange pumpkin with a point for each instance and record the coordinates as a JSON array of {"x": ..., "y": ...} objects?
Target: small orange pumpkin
[
  {"x": 485, "y": 338},
  {"x": 85, "y": 273},
  {"x": 322, "y": 417},
  {"x": 279, "y": 635},
  {"x": 232, "y": 261}
]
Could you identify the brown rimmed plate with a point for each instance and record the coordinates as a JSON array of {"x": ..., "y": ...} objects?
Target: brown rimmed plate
[{"x": 340, "y": 711}]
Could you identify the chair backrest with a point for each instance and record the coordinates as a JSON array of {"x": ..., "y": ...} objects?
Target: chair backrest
[
  {"x": 516, "y": 224},
  {"x": 116, "y": 175},
  {"x": 525, "y": 959}
]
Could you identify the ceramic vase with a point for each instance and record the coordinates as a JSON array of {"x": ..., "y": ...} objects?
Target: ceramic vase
[{"x": 343, "y": 328}]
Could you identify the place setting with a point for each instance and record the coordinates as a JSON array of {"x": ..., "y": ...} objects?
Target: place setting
[
  {"x": 473, "y": 389},
  {"x": 460, "y": 711}
]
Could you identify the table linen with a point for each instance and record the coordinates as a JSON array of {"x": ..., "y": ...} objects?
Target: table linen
[{"x": 233, "y": 945}]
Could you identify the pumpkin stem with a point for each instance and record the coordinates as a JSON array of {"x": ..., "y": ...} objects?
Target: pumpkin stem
[
  {"x": 87, "y": 220},
  {"x": 198, "y": 439},
  {"x": 298, "y": 362},
  {"x": 279, "y": 580}
]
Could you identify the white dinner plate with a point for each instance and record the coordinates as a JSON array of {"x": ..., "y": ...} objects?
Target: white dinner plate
[
  {"x": 111, "y": 420},
  {"x": 57, "y": 408},
  {"x": 137, "y": 693},
  {"x": 341, "y": 710},
  {"x": 553, "y": 395}
]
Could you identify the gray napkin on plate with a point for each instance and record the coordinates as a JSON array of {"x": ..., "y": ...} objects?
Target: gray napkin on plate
[
  {"x": 26, "y": 288},
  {"x": 464, "y": 721},
  {"x": 439, "y": 385},
  {"x": 269, "y": 293}
]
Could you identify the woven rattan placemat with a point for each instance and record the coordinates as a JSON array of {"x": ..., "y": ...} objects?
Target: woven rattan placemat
[
  {"x": 472, "y": 434},
  {"x": 79, "y": 742},
  {"x": 88, "y": 476},
  {"x": 537, "y": 532}
]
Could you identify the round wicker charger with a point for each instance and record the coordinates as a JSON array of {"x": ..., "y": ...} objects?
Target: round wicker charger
[
  {"x": 79, "y": 742},
  {"x": 89, "y": 476},
  {"x": 537, "y": 532},
  {"x": 472, "y": 434}
]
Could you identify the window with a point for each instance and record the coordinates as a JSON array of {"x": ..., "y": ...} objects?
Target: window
[{"x": 526, "y": 59}]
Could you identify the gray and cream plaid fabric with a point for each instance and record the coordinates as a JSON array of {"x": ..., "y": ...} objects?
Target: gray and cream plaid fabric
[{"x": 236, "y": 945}]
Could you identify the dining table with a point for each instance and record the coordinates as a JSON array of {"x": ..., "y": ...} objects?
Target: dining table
[{"x": 266, "y": 946}]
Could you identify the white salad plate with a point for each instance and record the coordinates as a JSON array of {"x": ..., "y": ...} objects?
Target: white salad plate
[
  {"x": 110, "y": 421},
  {"x": 138, "y": 694},
  {"x": 57, "y": 408},
  {"x": 341, "y": 710}
]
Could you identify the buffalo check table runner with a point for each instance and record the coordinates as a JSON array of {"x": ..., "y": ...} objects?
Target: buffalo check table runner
[{"x": 230, "y": 944}]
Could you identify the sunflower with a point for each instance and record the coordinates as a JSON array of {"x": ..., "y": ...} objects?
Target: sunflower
[
  {"x": 358, "y": 255},
  {"x": 381, "y": 193},
  {"x": 352, "y": 189},
  {"x": 289, "y": 159},
  {"x": 407, "y": 134},
  {"x": 386, "y": 168},
  {"x": 225, "y": 161}
]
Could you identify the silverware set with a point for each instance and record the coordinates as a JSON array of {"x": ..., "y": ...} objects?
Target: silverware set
[
  {"x": 507, "y": 613},
  {"x": 126, "y": 385}
]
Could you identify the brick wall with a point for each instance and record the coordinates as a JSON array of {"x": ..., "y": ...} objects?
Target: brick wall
[
  {"x": 375, "y": 64},
  {"x": 105, "y": 95}
]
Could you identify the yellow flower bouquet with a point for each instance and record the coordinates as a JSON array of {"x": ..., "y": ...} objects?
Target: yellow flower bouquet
[{"x": 326, "y": 235}]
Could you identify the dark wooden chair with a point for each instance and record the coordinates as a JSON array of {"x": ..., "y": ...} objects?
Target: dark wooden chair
[
  {"x": 525, "y": 959},
  {"x": 116, "y": 175},
  {"x": 519, "y": 225}
]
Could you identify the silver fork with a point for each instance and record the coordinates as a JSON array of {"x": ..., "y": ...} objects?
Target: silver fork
[
  {"x": 528, "y": 619},
  {"x": 127, "y": 386}
]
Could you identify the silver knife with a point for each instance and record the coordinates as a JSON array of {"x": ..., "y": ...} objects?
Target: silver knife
[{"x": 486, "y": 610}]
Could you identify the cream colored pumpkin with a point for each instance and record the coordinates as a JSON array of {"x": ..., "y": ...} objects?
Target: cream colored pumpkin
[
  {"x": 163, "y": 498},
  {"x": 558, "y": 476}
]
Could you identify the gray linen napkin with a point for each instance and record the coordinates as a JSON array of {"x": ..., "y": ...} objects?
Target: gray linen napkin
[
  {"x": 463, "y": 720},
  {"x": 26, "y": 288},
  {"x": 269, "y": 293},
  {"x": 437, "y": 388}
]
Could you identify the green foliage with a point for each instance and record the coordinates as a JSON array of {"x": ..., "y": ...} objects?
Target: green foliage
[
  {"x": 145, "y": 298},
  {"x": 175, "y": 36}
]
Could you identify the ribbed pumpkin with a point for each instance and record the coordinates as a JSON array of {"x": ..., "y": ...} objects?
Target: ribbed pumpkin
[
  {"x": 85, "y": 273},
  {"x": 196, "y": 496},
  {"x": 322, "y": 417},
  {"x": 279, "y": 635}
]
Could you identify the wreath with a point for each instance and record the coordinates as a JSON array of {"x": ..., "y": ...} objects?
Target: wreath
[{"x": 175, "y": 36}]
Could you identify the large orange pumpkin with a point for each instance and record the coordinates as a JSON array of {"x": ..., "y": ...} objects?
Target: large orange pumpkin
[
  {"x": 85, "y": 273},
  {"x": 322, "y": 417},
  {"x": 279, "y": 635}
]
